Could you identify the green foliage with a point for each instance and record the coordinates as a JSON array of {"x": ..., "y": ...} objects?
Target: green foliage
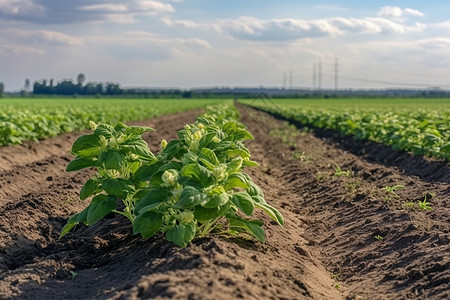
[
  {"x": 424, "y": 204},
  {"x": 338, "y": 172},
  {"x": 184, "y": 192},
  {"x": 419, "y": 126},
  {"x": 389, "y": 191},
  {"x": 34, "y": 119}
]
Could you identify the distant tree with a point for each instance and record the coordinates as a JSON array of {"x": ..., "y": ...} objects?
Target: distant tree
[
  {"x": 66, "y": 87},
  {"x": 27, "y": 86},
  {"x": 113, "y": 89},
  {"x": 2, "y": 89},
  {"x": 80, "y": 79}
]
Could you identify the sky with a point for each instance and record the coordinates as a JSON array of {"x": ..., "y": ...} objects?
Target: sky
[{"x": 246, "y": 43}]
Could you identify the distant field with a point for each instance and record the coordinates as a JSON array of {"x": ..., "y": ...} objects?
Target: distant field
[
  {"x": 38, "y": 118},
  {"x": 418, "y": 125}
]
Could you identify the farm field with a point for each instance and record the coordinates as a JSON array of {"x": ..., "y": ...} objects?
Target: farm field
[
  {"x": 362, "y": 221},
  {"x": 421, "y": 126},
  {"x": 23, "y": 119}
]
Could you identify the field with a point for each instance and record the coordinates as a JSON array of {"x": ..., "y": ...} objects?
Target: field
[
  {"x": 418, "y": 125},
  {"x": 362, "y": 220},
  {"x": 38, "y": 118}
]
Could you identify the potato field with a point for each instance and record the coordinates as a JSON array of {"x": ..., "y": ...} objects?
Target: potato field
[{"x": 215, "y": 199}]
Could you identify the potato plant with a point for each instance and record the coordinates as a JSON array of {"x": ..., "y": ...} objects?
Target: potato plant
[{"x": 187, "y": 191}]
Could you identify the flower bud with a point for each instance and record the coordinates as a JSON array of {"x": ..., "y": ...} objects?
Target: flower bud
[
  {"x": 186, "y": 216},
  {"x": 93, "y": 125},
  {"x": 169, "y": 177},
  {"x": 163, "y": 144}
]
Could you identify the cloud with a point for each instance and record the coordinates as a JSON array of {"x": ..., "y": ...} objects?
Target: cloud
[
  {"x": 20, "y": 7},
  {"x": 398, "y": 14},
  {"x": 250, "y": 28},
  {"x": 39, "y": 37},
  {"x": 56, "y": 11},
  {"x": 133, "y": 45}
]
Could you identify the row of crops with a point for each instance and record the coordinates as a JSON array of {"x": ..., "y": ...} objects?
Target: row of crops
[
  {"x": 33, "y": 119},
  {"x": 421, "y": 126}
]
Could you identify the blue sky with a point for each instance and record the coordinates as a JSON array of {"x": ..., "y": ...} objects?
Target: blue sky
[{"x": 199, "y": 43}]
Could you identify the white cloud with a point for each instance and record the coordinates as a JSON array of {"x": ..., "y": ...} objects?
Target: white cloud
[
  {"x": 20, "y": 7},
  {"x": 53, "y": 11},
  {"x": 108, "y": 8},
  {"x": 143, "y": 45},
  {"x": 39, "y": 37},
  {"x": 398, "y": 14},
  {"x": 250, "y": 28},
  {"x": 15, "y": 49}
]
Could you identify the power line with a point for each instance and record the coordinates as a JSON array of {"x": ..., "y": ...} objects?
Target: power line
[{"x": 392, "y": 83}]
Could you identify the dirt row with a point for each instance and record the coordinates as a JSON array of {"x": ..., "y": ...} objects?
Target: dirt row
[{"x": 345, "y": 236}]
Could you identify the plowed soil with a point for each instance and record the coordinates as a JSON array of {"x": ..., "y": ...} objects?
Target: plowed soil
[{"x": 344, "y": 238}]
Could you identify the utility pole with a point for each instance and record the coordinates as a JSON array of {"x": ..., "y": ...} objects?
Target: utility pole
[
  {"x": 290, "y": 79},
  {"x": 284, "y": 80},
  {"x": 314, "y": 76},
  {"x": 320, "y": 76},
  {"x": 336, "y": 73}
]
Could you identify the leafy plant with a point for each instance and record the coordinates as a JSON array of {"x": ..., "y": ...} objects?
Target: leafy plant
[
  {"x": 339, "y": 172},
  {"x": 424, "y": 204},
  {"x": 184, "y": 192},
  {"x": 378, "y": 237},
  {"x": 390, "y": 191}
]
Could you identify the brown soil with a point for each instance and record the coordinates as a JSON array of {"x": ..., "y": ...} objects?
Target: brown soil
[{"x": 326, "y": 250}]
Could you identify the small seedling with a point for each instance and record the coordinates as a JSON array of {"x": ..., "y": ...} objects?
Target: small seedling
[
  {"x": 390, "y": 191},
  {"x": 424, "y": 204},
  {"x": 378, "y": 237},
  {"x": 73, "y": 274},
  {"x": 338, "y": 172},
  {"x": 409, "y": 204}
]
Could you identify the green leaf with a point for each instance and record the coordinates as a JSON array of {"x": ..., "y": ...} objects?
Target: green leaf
[
  {"x": 82, "y": 216},
  {"x": 154, "y": 195},
  {"x": 79, "y": 163},
  {"x": 172, "y": 149},
  {"x": 100, "y": 206},
  {"x": 190, "y": 197},
  {"x": 250, "y": 163},
  {"x": 118, "y": 187},
  {"x": 272, "y": 212},
  {"x": 181, "y": 234},
  {"x": 244, "y": 202},
  {"x": 112, "y": 159},
  {"x": 233, "y": 183},
  {"x": 209, "y": 156},
  {"x": 72, "y": 222},
  {"x": 139, "y": 147},
  {"x": 235, "y": 165},
  {"x": 145, "y": 172},
  {"x": 137, "y": 130},
  {"x": 203, "y": 214},
  {"x": 205, "y": 140},
  {"x": 147, "y": 224},
  {"x": 86, "y": 146},
  {"x": 104, "y": 129},
  {"x": 89, "y": 188},
  {"x": 253, "y": 227},
  {"x": 217, "y": 200},
  {"x": 202, "y": 174}
]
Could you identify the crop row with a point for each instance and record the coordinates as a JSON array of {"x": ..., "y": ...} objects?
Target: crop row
[
  {"x": 34, "y": 119},
  {"x": 421, "y": 129},
  {"x": 184, "y": 192}
]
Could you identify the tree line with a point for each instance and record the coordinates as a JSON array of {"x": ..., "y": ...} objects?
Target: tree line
[{"x": 68, "y": 87}]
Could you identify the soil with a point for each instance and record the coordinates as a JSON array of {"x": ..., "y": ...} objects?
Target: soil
[{"x": 344, "y": 238}]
